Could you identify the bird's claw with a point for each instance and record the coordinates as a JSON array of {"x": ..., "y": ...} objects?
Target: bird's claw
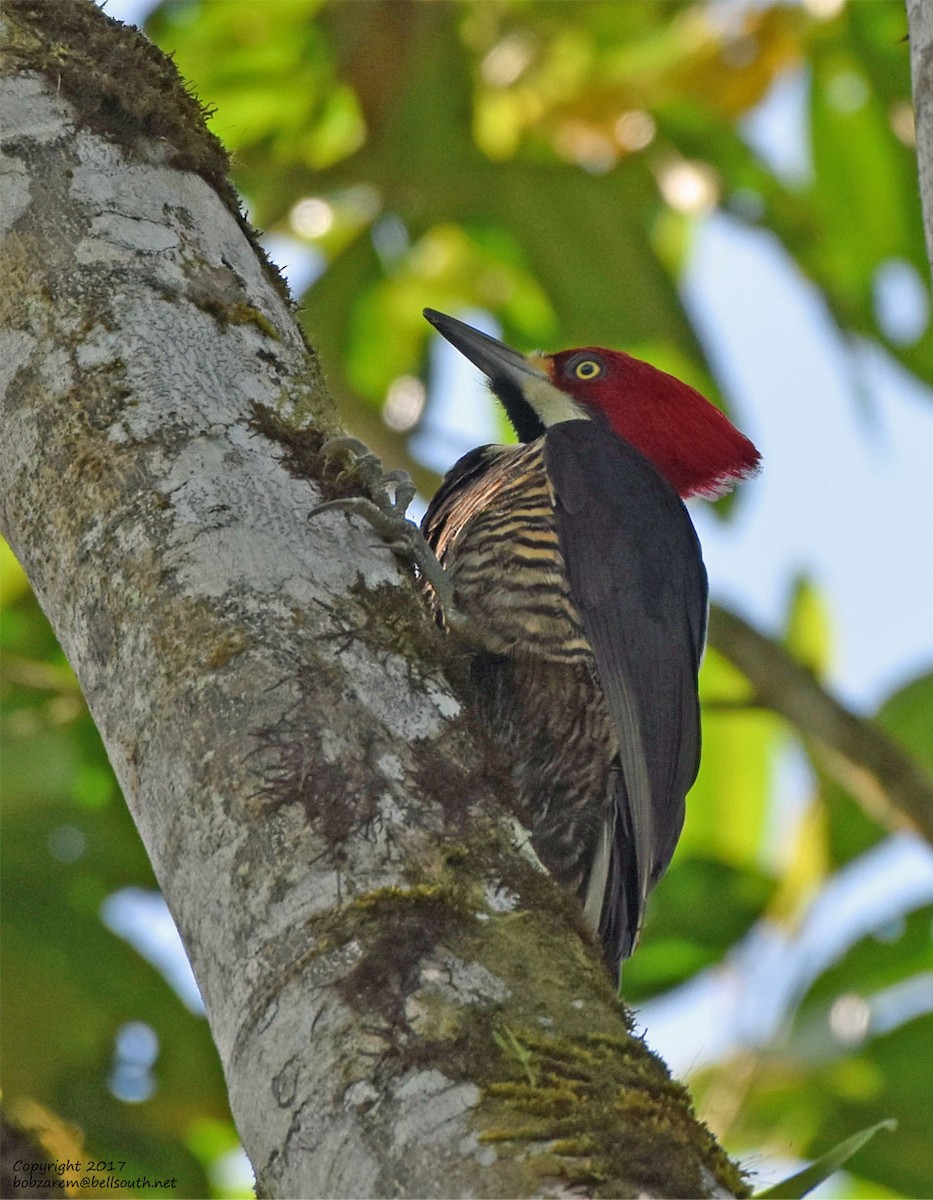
[
  {"x": 386, "y": 500},
  {"x": 521, "y": 840},
  {"x": 389, "y": 491}
]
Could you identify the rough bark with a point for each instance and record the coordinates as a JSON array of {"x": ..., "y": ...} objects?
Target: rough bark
[
  {"x": 403, "y": 1005},
  {"x": 920, "y": 22}
]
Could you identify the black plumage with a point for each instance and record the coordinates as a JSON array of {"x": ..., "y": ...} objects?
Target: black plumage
[{"x": 581, "y": 577}]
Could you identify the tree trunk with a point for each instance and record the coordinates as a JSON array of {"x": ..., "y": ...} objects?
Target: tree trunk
[
  {"x": 920, "y": 21},
  {"x": 402, "y": 1003}
]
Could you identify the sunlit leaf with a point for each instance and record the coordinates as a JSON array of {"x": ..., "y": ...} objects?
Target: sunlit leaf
[
  {"x": 806, "y": 865},
  {"x": 727, "y": 806},
  {"x": 805, "y": 1181},
  {"x": 447, "y": 268},
  {"x": 13, "y": 581}
]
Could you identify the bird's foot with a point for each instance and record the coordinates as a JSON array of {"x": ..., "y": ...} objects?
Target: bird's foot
[
  {"x": 348, "y": 462},
  {"x": 387, "y": 495}
]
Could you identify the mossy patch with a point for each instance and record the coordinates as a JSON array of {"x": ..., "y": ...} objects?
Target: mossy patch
[
  {"x": 225, "y": 646},
  {"x": 396, "y": 927},
  {"x": 123, "y": 86},
  {"x": 299, "y": 448},
  {"x": 607, "y": 1114},
  {"x": 338, "y": 795},
  {"x": 239, "y": 313},
  {"x": 125, "y": 89},
  {"x": 565, "y": 1088},
  {"x": 336, "y": 471}
]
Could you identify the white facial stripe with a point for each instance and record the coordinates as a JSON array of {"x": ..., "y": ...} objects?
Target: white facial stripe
[{"x": 550, "y": 403}]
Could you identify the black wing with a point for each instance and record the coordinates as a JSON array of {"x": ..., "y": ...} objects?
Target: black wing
[{"x": 637, "y": 576}]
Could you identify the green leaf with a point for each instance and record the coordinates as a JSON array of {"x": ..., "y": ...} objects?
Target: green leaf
[
  {"x": 727, "y": 808},
  {"x": 808, "y": 635},
  {"x": 805, "y": 1181},
  {"x": 679, "y": 938},
  {"x": 908, "y": 716},
  {"x": 13, "y": 582},
  {"x": 454, "y": 267},
  {"x": 870, "y": 966}
]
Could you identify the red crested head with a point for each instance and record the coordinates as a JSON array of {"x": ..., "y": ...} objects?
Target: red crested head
[
  {"x": 697, "y": 449},
  {"x": 694, "y": 446}
]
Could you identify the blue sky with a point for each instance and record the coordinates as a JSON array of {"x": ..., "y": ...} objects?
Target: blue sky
[{"x": 847, "y": 488}]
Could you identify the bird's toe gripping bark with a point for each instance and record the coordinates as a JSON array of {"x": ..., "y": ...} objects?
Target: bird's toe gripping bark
[
  {"x": 390, "y": 491},
  {"x": 387, "y": 495}
]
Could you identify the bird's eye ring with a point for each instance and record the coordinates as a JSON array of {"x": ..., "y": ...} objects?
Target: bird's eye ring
[{"x": 587, "y": 369}]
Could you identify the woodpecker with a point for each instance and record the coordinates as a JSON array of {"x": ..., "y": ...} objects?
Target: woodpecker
[{"x": 576, "y": 567}]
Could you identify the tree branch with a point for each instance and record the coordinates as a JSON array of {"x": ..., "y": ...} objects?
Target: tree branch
[
  {"x": 402, "y": 1004},
  {"x": 865, "y": 760}
]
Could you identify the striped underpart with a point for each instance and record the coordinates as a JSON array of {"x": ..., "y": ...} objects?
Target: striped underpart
[
  {"x": 493, "y": 532},
  {"x": 493, "y": 529}
]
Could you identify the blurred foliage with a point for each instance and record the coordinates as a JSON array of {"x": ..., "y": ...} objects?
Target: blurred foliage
[
  {"x": 803, "y": 1182},
  {"x": 69, "y": 985},
  {"x": 546, "y": 163}
]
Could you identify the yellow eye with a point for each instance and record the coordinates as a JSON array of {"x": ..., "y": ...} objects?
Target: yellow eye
[{"x": 588, "y": 369}]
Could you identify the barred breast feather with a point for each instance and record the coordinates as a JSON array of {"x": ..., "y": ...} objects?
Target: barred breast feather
[{"x": 492, "y": 527}]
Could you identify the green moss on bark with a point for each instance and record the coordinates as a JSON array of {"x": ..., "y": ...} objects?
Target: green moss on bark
[{"x": 124, "y": 88}]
